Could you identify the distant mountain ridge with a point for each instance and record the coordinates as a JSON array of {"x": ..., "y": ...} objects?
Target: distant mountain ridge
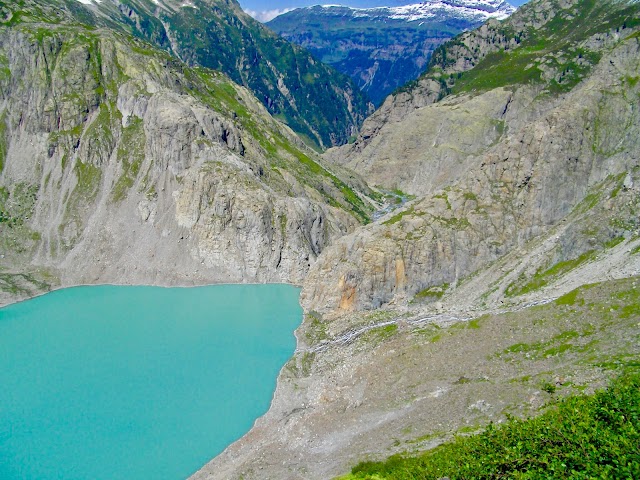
[
  {"x": 383, "y": 48},
  {"x": 477, "y": 10}
]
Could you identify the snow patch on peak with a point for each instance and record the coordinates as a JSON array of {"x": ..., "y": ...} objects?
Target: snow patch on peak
[
  {"x": 473, "y": 10},
  {"x": 465, "y": 8}
]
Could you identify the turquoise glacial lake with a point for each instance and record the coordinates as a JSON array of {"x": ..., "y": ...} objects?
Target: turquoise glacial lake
[{"x": 133, "y": 383}]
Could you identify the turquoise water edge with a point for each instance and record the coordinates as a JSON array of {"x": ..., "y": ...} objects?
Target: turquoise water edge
[{"x": 111, "y": 382}]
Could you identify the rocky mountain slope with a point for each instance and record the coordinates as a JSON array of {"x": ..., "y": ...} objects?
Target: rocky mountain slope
[
  {"x": 513, "y": 265},
  {"x": 500, "y": 161},
  {"x": 120, "y": 164},
  {"x": 313, "y": 99},
  {"x": 407, "y": 383},
  {"x": 383, "y": 48}
]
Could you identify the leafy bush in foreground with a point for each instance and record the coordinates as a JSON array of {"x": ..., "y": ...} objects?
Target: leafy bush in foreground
[{"x": 580, "y": 437}]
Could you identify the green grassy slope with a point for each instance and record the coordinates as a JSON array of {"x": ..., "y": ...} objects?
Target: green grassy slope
[
  {"x": 557, "y": 53},
  {"x": 594, "y": 436}
]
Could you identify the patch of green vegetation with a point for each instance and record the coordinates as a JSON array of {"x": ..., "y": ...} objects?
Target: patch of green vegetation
[
  {"x": 589, "y": 201},
  {"x": 462, "y": 381},
  {"x": 571, "y": 72},
  {"x": 619, "y": 184},
  {"x": 131, "y": 153},
  {"x": 301, "y": 364},
  {"x": 518, "y": 348},
  {"x": 306, "y": 362},
  {"x": 469, "y": 429},
  {"x": 543, "y": 278},
  {"x": 3, "y": 140},
  {"x": 99, "y": 133},
  {"x": 548, "y": 387},
  {"x": 613, "y": 242},
  {"x": 399, "y": 193},
  {"x": 470, "y": 196},
  {"x": 398, "y": 216},
  {"x": 630, "y": 311},
  {"x": 432, "y": 293},
  {"x": 618, "y": 361},
  {"x": 382, "y": 333},
  {"x": 283, "y": 225},
  {"x": 88, "y": 176},
  {"x": 594, "y": 436},
  {"x": 433, "y": 332},
  {"x": 151, "y": 192},
  {"x": 557, "y": 345},
  {"x": 23, "y": 283},
  {"x": 316, "y": 329},
  {"x": 557, "y": 350},
  {"x": 568, "y": 298},
  {"x": 17, "y": 204},
  {"x": 499, "y": 69},
  {"x": 523, "y": 379},
  {"x": 454, "y": 223},
  {"x": 475, "y": 323}
]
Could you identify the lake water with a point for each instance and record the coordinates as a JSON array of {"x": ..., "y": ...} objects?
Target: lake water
[{"x": 135, "y": 383}]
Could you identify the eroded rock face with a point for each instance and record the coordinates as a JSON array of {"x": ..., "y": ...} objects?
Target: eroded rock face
[
  {"x": 436, "y": 146},
  {"x": 494, "y": 170},
  {"x": 118, "y": 166}
]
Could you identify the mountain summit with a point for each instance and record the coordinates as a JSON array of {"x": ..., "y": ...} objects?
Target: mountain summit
[{"x": 383, "y": 48}]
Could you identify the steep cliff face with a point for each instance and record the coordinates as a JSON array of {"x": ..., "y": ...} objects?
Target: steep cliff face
[
  {"x": 383, "y": 48},
  {"x": 313, "y": 99},
  {"x": 120, "y": 164},
  {"x": 497, "y": 167}
]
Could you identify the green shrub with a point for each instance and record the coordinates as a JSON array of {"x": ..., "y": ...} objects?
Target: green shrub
[{"x": 594, "y": 436}]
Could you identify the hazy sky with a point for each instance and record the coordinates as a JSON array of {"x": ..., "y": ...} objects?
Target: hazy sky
[{"x": 265, "y": 10}]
